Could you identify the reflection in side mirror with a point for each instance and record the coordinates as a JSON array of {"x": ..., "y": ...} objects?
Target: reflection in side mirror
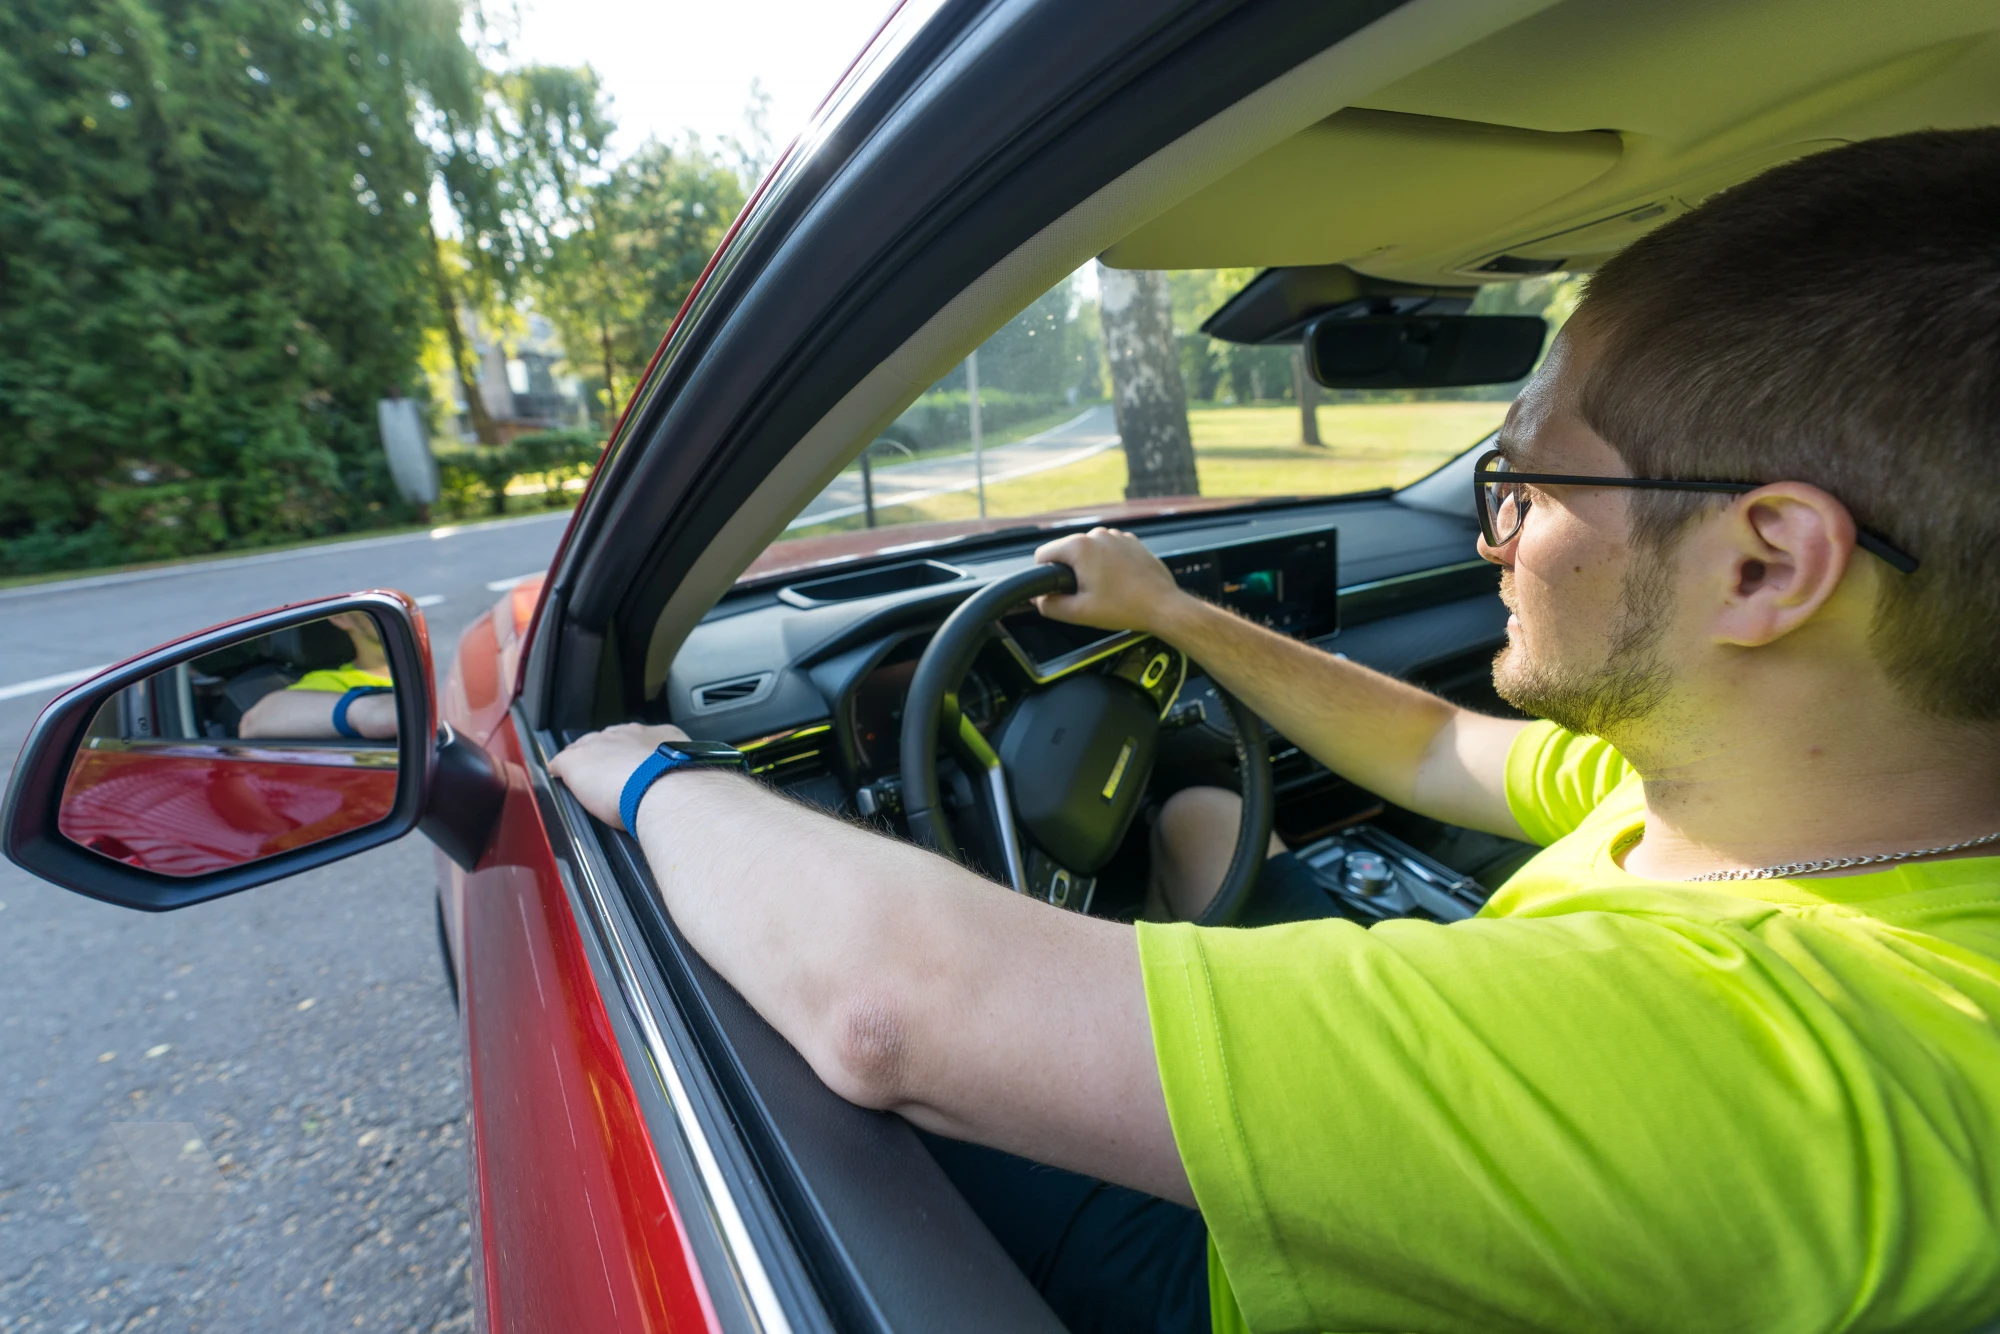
[
  {"x": 272, "y": 743},
  {"x": 1423, "y": 351}
]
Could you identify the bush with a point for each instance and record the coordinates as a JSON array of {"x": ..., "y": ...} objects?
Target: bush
[{"x": 474, "y": 479}]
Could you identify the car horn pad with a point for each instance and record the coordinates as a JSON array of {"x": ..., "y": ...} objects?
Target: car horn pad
[{"x": 1077, "y": 756}]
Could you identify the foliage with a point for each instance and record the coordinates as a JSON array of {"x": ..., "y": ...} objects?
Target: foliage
[
  {"x": 616, "y": 276},
  {"x": 474, "y": 479},
  {"x": 212, "y": 239}
]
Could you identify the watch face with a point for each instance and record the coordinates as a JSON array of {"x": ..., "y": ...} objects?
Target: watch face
[{"x": 705, "y": 752}]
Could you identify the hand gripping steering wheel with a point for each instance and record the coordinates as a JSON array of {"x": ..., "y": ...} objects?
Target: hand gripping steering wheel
[{"x": 1070, "y": 765}]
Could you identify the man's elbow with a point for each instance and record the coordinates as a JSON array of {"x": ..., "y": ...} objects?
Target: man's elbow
[{"x": 865, "y": 1050}]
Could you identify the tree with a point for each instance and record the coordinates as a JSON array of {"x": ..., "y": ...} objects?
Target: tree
[
  {"x": 1147, "y": 393},
  {"x": 616, "y": 282},
  {"x": 558, "y": 125},
  {"x": 1306, "y": 390},
  {"x": 212, "y": 240},
  {"x": 452, "y": 100}
]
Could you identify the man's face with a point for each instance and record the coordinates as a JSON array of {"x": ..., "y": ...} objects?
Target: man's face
[{"x": 1583, "y": 642}]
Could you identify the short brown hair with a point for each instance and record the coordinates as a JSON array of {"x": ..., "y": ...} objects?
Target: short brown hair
[{"x": 1833, "y": 321}]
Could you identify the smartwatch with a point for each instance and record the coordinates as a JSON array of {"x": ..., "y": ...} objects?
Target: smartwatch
[
  {"x": 340, "y": 723},
  {"x": 670, "y": 756}
]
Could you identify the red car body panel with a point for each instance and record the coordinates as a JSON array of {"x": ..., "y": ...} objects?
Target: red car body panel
[
  {"x": 575, "y": 1226},
  {"x": 188, "y": 810}
]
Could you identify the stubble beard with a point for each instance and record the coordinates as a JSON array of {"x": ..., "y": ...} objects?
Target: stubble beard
[{"x": 1627, "y": 685}]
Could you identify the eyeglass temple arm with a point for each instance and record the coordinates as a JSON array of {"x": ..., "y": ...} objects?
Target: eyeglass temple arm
[{"x": 1873, "y": 543}]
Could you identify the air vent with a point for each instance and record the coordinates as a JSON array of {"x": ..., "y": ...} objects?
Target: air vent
[{"x": 726, "y": 694}]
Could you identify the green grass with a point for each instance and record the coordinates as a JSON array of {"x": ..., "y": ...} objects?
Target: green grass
[{"x": 1240, "y": 451}]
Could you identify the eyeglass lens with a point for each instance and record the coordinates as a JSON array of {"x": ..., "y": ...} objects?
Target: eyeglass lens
[{"x": 1506, "y": 507}]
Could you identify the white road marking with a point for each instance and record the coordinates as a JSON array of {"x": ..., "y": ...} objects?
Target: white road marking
[
  {"x": 430, "y": 599},
  {"x": 55, "y": 682},
  {"x": 502, "y": 585}
]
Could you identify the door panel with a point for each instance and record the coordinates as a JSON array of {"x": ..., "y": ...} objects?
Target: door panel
[{"x": 576, "y": 1227}]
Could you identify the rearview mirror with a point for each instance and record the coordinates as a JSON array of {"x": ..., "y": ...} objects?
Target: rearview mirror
[
  {"x": 236, "y": 756},
  {"x": 1423, "y": 351}
]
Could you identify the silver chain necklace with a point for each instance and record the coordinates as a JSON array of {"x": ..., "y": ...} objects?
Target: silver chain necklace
[{"x": 1786, "y": 870}]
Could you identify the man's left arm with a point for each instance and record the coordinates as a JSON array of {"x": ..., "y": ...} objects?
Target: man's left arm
[{"x": 907, "y": 982}]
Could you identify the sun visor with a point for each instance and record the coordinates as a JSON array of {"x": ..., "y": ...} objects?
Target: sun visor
[{"x": 1360, "y": 183}]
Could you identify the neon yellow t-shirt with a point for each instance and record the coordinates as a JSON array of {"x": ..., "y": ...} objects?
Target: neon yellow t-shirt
[
  {"x": 1606, "y": 1103},
  {"x": 339, "y": 680}
]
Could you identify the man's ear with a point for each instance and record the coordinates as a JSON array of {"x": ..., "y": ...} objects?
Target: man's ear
[{"x": 1787, "y": 547}]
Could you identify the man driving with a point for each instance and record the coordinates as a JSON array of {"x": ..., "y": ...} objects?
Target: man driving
[
  {"x": 356, "y": 700},
  {"x": 1722, "y": 1056}
]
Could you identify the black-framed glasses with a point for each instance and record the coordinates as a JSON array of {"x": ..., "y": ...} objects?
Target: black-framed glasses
[{"x": 1503, "y": 504}]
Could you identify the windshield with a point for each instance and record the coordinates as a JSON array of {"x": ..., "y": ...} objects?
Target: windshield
[{"x": 1025, "y": 431}]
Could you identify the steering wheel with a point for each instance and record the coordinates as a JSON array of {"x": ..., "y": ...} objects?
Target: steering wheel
[{"x": 1071, "y": 764}]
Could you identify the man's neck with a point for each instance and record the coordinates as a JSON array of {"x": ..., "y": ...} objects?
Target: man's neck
[{"x": 1764, "y": 777}]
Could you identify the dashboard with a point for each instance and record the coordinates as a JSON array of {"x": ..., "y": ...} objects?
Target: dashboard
[{"x": 809, "y": 677}]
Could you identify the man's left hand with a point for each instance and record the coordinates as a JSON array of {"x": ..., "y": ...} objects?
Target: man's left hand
[{"x": 595, "y": 767}]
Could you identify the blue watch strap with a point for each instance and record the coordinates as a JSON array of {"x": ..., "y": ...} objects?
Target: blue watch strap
[
  {"x": 663, "y": 760},
  {"x": 340, "y": 723}
]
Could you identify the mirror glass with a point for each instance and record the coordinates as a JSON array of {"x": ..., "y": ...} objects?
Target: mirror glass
[
  {"x": 1423, "y": 351},
  {"x": 278, "y": 742}
]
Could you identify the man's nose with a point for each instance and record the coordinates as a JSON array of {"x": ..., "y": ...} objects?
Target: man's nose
[{"x": 1502, "y": 555}]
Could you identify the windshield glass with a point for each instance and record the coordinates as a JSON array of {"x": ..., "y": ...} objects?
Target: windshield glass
[{"x": 1026, "y": 429}]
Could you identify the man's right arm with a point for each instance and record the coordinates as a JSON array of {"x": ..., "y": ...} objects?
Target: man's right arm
[{"x": 1402, "y": 743}]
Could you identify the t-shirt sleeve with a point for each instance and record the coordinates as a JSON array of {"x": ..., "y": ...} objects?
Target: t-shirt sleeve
[
  {"x": 339, "y": 680},
  {"x": 1556, "y": 778},
  {"x": 1588, "y": 1121}
]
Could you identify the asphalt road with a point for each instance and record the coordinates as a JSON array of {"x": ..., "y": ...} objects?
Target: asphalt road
[
  {"x": 1090, "y": 432},
  {"x": 296, "y": 1041}
]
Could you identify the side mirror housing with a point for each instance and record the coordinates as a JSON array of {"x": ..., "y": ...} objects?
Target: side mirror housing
[
  {"x": 1423, "y": 351},
  {"x": 244, "y": 754}
]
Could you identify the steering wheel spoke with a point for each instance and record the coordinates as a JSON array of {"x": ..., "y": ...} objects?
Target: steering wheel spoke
[
  {"x": 991, "y": 779},
  {"x": 1063, "y": 777}
]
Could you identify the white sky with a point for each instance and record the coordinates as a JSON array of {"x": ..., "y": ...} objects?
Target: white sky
[{"x": 673, "y": 65}]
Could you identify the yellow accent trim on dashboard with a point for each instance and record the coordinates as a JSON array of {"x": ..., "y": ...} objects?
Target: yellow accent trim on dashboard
[{"x": 790, "y": 734}]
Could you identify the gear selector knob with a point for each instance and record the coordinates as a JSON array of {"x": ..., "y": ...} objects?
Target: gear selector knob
[{"x": 1366, "y": 874}]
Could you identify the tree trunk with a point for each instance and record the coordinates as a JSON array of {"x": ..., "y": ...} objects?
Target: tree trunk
[
  {"x": 610, "y": 376},
  {"x": 1306, "y": 389},
  {"x": 1146, "y": 390},
  {"x": 461, "y": 361}
]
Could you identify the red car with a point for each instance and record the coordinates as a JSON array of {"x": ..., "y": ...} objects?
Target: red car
[{"x": 1361, "y": 193}]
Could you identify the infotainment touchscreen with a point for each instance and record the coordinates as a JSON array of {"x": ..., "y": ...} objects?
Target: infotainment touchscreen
[{"x": 1289, "y": 583}]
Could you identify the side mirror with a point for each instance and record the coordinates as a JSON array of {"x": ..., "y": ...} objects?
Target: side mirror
[
  {"x": 1423, "y": 351},
  {"x": 244, "y": 754}
]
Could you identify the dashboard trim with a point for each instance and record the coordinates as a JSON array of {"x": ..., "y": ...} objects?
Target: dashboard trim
[{"x": 1044, "y": 673}]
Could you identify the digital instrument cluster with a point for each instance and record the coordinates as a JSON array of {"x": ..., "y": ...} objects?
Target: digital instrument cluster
[{"x": 1290, "y": 584}]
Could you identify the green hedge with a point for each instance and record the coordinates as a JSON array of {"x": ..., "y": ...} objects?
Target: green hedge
[{"x": 473, "y": 479}]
